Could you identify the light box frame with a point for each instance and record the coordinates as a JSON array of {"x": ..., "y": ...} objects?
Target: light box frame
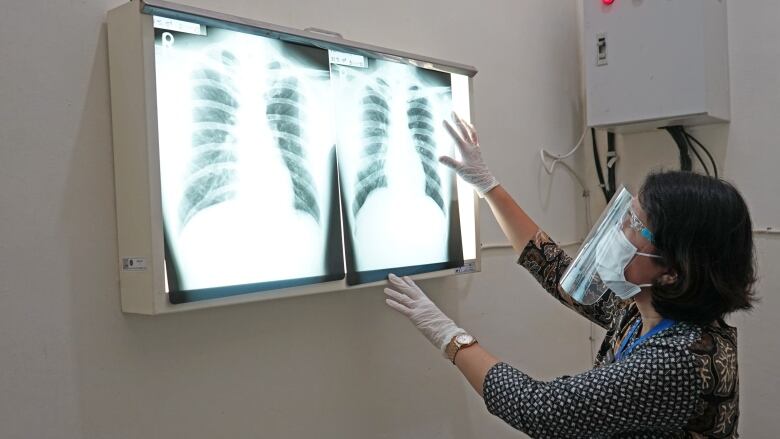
[{"x": 137, "y": 159}]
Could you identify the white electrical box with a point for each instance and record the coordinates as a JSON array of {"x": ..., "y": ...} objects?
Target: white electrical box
[{"x": 655, "y": 63}]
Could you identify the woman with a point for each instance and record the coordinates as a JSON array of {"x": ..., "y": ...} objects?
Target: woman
[{"x": 667, "y": 367}]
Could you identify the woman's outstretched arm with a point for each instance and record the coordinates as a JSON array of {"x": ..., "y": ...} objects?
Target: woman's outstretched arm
[
  {"x": 474, "y": 362},
  {"x": 518, "y": 227}
]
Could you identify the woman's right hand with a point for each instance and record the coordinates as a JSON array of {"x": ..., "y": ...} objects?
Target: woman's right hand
[{"x": 472, "y": 168}]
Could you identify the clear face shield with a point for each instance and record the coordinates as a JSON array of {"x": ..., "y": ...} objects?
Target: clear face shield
[{"x": 601, "y": 263}]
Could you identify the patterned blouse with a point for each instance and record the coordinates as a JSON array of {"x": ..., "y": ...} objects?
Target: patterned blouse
[{"x": 680, "y": 383}]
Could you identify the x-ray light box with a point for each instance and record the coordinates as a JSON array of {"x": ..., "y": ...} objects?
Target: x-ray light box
[{"x": 254, "y": 161}]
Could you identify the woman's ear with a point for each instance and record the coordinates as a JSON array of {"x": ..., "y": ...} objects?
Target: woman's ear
[{"x": 668, "y": 278}]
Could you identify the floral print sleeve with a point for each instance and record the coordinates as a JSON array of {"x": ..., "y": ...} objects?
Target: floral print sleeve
[{"x": 547, "y": 262}]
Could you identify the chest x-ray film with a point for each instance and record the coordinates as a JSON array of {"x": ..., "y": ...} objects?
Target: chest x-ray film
[
  {"x": 400, "y": 206},
  {"x": 286, "y": 164}
]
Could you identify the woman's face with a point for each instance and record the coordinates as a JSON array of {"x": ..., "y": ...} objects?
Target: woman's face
[{"x": 642, "y": 269}]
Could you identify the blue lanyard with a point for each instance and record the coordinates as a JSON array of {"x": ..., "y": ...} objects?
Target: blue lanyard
[{"x": 623, "y": 350}]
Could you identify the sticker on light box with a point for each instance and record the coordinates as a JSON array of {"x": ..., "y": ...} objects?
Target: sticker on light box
[
  {"x": 468, "y": 267},
  {"x": 133, "y": 264}
]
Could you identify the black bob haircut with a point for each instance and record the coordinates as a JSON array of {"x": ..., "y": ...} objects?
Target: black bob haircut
[{"x": 703, "y": 231}]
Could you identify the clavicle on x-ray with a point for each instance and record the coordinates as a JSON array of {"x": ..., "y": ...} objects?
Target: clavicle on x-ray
[{"x": 269, "y": 148}]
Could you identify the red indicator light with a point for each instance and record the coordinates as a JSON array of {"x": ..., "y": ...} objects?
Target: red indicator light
[{"x": 608, "y": 2}]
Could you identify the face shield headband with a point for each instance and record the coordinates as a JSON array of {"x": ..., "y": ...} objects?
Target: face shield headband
[{"x": 601, "y": 263}]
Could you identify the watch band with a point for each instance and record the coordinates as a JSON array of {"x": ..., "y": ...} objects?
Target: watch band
[{"x": 458, "y": 342}]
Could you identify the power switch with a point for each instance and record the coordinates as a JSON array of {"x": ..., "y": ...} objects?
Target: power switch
[{"x": 601, "y": 49}]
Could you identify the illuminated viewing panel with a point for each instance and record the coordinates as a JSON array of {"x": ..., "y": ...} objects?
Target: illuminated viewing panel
[
  {"x": 247, "y": 163},
  {"x": 284, "y": 163},
  {"x": 400, "y": 206}
]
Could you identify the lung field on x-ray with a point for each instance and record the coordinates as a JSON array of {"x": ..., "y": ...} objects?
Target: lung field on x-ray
[
  {"x": 376, "y": 119},
  {"x": 212, "y": 170},
  {"x": 420, "y": 122},
  {"x": 284, "y": 115},
  {"x": 377, "y": 122}
]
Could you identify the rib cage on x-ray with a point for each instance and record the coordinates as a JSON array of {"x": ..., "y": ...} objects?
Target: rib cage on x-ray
[
  {"x": 420, "y": 122},
  {"x": 212, "y": 169},
  {"x": 284, "y": 114},
  {"x": 376, "y": 119}
]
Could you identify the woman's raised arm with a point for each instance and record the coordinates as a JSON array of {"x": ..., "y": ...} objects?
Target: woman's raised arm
[
  {"x": 539, "y": 254},
  {"x": 516, "y": 224}
]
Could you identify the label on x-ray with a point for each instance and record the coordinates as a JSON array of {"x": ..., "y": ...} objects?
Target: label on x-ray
[
  {"x": 133, "y": 264},
  {"x": 468, "y": 267},
  {"x": 179, "y": 26},
  {"x": 348, "y": 59}
]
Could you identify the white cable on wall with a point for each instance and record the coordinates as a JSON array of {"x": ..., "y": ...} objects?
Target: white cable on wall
[
  {"x": 549, "y": 168},
  {"x": 557, "y": 158}
]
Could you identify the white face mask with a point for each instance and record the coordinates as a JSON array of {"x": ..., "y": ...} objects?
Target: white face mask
[
  {"x": 614, "y": 253},
  {"x": 600, "y": 265}
]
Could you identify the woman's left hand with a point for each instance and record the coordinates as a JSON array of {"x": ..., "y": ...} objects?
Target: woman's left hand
[{"x": 407, "y": 298}]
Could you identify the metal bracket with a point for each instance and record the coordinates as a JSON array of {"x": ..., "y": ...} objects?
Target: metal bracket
[{"x": 317, "y": 30}]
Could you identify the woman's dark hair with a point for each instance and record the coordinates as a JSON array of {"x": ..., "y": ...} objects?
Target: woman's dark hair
[{"x": 703, "y": 231}]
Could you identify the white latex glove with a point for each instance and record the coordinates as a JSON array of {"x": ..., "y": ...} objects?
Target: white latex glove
[
  {"x": 407, "y": 298},
  {"x": 472, "y": 169}
]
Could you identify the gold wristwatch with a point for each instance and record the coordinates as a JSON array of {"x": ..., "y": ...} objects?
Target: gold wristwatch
[{"x": 457, "y": 343}]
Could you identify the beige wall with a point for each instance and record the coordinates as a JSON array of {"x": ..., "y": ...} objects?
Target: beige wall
[
  {"x": 336, "y": 365},
  {"x": 339, "y": 365}
]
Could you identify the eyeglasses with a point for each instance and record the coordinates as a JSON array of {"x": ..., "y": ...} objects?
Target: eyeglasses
[{"x": 636, "y": 224}]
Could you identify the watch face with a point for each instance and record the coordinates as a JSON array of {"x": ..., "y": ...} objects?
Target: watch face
[{"x": 464, "y": 339}]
